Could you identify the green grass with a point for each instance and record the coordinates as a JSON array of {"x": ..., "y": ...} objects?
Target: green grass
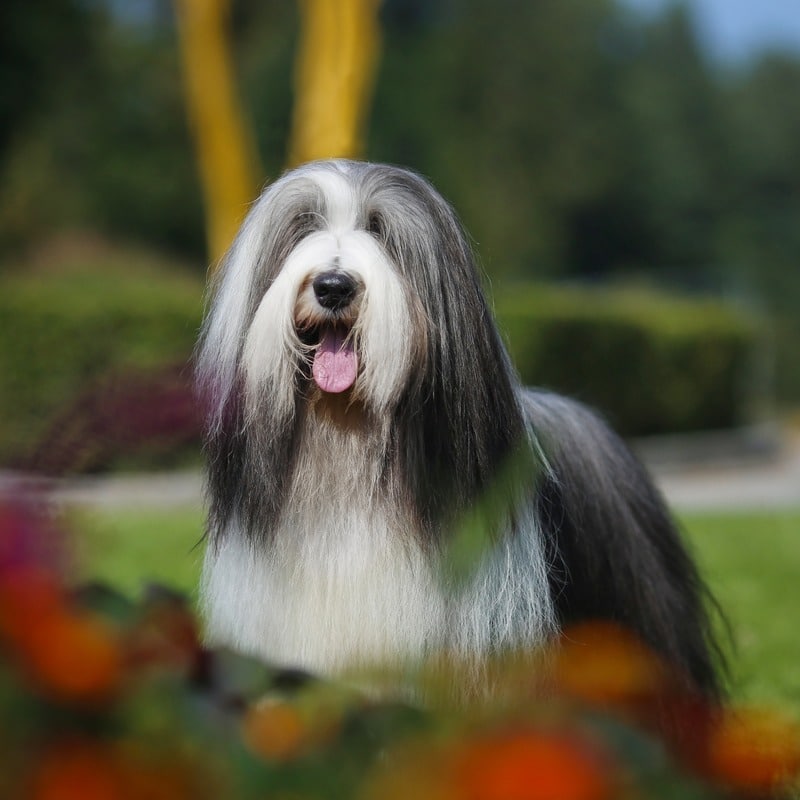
[
  {"x": 129, "y": 549},
  {"x": 751, "y": 561}
]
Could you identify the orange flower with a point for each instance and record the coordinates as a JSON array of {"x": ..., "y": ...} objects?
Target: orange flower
[
  {"x": 28, "y": 594},
  {"x": 274, "y": 729},
  {"x": 531, "y": 765},
  {"x": 603, "y": 664},
  {"x": 78, "y": 770},
  {"x": 74, "y": 656},
  {"x": 164, "y": 772},
  {"x": 755, "y": 751}
]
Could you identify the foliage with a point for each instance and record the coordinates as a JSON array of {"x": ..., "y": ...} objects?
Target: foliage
[
  {"x": 29, "y": 52},
  {"x": 87, "y": 329},
  {"x": 105, "y": 698},
  {"x": 102, "y": 142},
  {"x": 652, "y": 363},
  {"x": 581, "y": 142}
]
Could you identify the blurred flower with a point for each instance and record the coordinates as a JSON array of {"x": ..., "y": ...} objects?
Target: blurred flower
[
  {"x": 75, "y": 656},
  {"x": 82, "y": 768},
  {"x": 165, "y": 634},
  {"x": 29, "y": 537},
  {"x": 78, "y": 769},
  {"x": 110, "y": 700},
  {"x": 755, "y": 751},
  {"x": 506, "y": 764},
  {"x": 274, "y": 729},
  {"x": 281, "y": 729},
  {"x": 68, "y": 652},
  {"x": 121, "y": 415},
  {"x": 602, "y": 664},
  {"x": 532, "y": 765}
]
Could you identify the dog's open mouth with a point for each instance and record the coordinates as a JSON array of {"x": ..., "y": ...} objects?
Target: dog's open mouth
[{"x": 335, "y": 364}]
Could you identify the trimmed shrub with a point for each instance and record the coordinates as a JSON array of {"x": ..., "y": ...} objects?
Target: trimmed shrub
[
  {"x": 85, "y": 324},
  {"x": 650, "y": 362}
]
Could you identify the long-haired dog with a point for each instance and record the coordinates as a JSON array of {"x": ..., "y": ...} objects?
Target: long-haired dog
[{"x": 360, "y": 406}]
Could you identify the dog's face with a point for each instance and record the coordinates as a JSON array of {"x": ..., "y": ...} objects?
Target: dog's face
[{"x": 339, "y": 315}]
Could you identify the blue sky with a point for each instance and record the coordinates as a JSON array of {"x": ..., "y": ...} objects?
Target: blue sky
[{"x": 736, "y": 30}]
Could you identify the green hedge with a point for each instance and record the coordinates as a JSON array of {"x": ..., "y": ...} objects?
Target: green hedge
[
  {"x": 67, "y": 327},
  {"x": 651, "y": 363}
]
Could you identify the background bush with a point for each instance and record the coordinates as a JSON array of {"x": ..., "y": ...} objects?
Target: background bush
[
  {"x": 652, "y": 363},
  {"x": 81, "y": 322},
  {"x": 95, "y": 344}
]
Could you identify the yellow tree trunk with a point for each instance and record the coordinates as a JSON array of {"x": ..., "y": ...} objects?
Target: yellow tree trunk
[
  {"x": 334, "y": 78},
  {"x": 225, "y": 149}
]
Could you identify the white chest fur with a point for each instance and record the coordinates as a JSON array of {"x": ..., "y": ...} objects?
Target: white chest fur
[
  {"x": 342, "y": 581},
  {"x": 346, "y": 595}
]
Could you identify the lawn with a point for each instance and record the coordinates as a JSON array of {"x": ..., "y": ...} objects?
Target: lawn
[
  {"x": 751, "y": 561},
  {"x": 129, "y": 549}
]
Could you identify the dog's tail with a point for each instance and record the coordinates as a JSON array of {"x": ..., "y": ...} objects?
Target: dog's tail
[{"x": 616, "y": 552}]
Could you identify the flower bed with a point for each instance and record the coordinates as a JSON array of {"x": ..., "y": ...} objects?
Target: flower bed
[{"x": 105, "y": 698}]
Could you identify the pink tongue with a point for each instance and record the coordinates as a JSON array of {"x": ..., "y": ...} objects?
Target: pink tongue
[{"x": 335, "y": 362}]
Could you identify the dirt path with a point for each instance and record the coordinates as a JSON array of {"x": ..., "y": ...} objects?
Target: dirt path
[{"x": 768, "y": 482}]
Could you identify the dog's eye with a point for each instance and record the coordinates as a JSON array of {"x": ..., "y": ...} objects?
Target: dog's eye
[
  {"x": 375, "y": 225},
  {"x": 304, "y": 220}
]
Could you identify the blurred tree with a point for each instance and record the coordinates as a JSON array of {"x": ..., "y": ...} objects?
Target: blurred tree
[
  {"x": 226, "y": 155},
  {"x": 105, "y": 145},
  {"x": 660, "y": 210},
  {"x": 576, "y": 139},
  {"x": 43, "y": 49},
  {"x": 333, "y": 85},
  {"x": 33, "y": 39},
  {"x": 761, "y": 234},
  {"x": 763, "y": 228},
  {"x": 334, "y": 78},
  {"x": 265, "y": 39},
  {"x": 524, "y": 95}
]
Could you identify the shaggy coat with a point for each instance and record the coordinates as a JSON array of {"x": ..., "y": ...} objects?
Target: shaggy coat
[{"x": 362, "y": 412}]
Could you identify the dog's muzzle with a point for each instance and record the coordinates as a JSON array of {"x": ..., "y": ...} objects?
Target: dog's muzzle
[
  {"x": 334, "y": 290},
  {"x": 335, "y": 365}
]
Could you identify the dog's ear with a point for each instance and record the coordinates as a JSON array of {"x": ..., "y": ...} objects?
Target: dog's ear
[
  {"x": 248, "y": 468},
  {"x": 248, "y": 455},
  {"x": 286, "y": 212},
  {"x": 462, "y": 422},
  {"x": 616, "y": 552}
]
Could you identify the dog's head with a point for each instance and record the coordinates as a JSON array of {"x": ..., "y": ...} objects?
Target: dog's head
[
  {"x": 357, "y": 279},
  {"x": 344, "y": 277}
]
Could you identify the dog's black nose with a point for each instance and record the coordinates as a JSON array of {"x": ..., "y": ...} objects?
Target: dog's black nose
[{"x": 334, "y": 289}]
